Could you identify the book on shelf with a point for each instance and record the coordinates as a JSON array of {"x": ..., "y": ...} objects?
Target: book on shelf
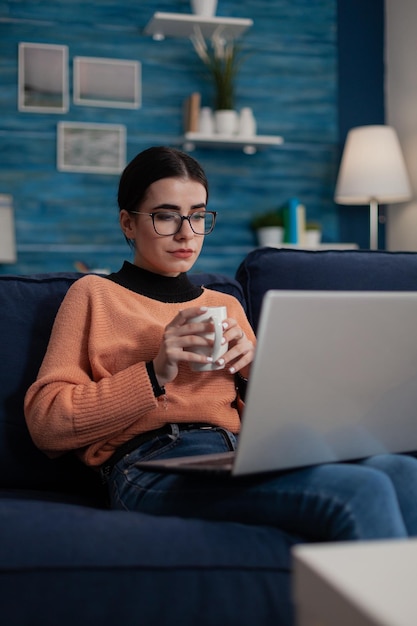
[
  {"x": 294, "y": 215},
  {"x": 192, "y": 112}
]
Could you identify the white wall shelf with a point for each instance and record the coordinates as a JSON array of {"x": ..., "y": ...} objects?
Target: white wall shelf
[
  {"x": 182, "y": 25},
  {"x": 249, "y": 145}
]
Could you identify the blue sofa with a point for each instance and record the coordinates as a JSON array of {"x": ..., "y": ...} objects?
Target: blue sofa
[{"x": 66, "y": 559}]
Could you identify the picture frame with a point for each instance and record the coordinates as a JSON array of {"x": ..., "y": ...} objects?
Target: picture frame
[
  {"x": 93, "y": 148},
  {"x": 107, "y": 82},
  {"x": 43, "y": 78}
]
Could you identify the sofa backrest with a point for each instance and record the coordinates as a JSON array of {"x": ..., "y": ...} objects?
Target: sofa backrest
[
  {"x": 362, "y": 270},
  {"x": 28, "y": 305}
]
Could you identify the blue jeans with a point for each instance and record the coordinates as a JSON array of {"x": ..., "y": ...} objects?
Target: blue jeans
[{"x": 372, "y": 499}]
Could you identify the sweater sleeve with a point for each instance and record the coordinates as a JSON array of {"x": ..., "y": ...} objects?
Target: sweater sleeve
[{"x": 65, "y": 408}]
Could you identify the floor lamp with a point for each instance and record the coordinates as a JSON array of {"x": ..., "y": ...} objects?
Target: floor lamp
[{"x": 372, "y": 171}]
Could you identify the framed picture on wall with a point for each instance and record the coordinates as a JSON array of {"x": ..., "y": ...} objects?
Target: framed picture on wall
[
  {"x": 107, "y": 82},
  {"x": 95, "y": 148},
  {"x": 42, "y": 78}
]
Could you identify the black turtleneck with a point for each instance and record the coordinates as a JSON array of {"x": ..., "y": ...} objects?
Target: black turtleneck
[{"x": 162, "y": 288}]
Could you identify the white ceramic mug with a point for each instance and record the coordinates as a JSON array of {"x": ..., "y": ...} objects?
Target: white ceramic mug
[{"x": 216, "y": 314}]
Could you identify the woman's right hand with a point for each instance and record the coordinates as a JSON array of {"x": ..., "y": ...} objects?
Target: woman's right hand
[{"x": 179, "y": 338}]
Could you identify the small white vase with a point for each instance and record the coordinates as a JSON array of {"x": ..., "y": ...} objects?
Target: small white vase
[
  {"x": 226, "y": 121},
  {"x": 206, "y": 121},
  {"x": 247, "y": 123},
  {"x": 270, "y": 235},
  {"x": 205, "y": 8}
]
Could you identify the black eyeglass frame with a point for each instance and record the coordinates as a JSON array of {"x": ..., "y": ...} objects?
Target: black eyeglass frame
[{"x": 182, "y": 217}]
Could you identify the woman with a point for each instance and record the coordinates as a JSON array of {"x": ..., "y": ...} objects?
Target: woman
[{"x": 116, "y": 384}]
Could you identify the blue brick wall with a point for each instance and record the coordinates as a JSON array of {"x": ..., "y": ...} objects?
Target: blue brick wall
[{"x": 289, "y": 78}]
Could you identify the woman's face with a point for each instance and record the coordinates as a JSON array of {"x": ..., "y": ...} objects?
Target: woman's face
[{"x": 166, "y": 255}]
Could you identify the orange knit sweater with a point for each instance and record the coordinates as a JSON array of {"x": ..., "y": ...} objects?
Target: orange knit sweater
[{"x": 93, "y": 391}]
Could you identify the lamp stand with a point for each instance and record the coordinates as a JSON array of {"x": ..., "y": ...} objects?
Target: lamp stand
[{"x": 373, "y": 225}]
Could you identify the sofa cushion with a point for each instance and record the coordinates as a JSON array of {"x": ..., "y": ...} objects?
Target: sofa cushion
[
  {"x": 67, "y": 564},
  {"x": 28, "y": 305},
  {"x": 273, "y": 268}
]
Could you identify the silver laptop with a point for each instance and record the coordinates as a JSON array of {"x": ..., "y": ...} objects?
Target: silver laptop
[{"x": 334, "y": 378}]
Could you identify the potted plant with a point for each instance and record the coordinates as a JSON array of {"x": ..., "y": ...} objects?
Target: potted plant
[
  {"x": 269, "y": 227},
  {"x": 312, "y": 234},
  {"x": 222, "y": 61}
]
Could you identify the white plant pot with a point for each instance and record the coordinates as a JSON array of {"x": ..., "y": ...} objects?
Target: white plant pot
[
  {"x": 205, "y": 8},
  {"x": 226, "y": 122},
  {"x": 312, "y": 238},
  {"x": 270, "y": 235}
]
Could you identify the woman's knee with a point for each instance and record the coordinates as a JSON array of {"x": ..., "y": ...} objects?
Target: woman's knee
[
  {"x": 342, "y": 502},
  {"x": 365, "y": 504},
  {"x": 402, "y": 472},
  {"x": 396, "y": 466}
]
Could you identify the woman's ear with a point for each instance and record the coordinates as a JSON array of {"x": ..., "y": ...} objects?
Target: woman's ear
[{"x": 127, "y": 224}]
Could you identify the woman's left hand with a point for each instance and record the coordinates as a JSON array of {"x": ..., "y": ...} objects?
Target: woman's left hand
[{"x": 240, "y": 351}]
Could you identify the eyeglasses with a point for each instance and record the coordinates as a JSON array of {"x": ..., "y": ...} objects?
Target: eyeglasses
[{"x": 167, "y": 223}]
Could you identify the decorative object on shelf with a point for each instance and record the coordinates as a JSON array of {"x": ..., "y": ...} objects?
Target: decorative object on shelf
[
  {"x": 222, "y": 61},
  {"x": 294, "y": 214},
  {"x": 247, "y": 123},
  {"x": 312, "y": 235},
  {"x": 270, "y": 235},
  {"x": 205, "y": 8},
  {"x": 192, "y": 112},
  {"x": 7, "y": 230},
  {"x": 269, "y": 227},
  {"x": 226, "y": 121},
  {"x": 206, "y": 121},
  {"x": 372, "y": 171}
]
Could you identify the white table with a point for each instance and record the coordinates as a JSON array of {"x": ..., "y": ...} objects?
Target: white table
[{"x": 371, "y": 583}]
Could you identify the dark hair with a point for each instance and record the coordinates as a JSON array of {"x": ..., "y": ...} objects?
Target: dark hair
[{"x": 151, "y": 165}]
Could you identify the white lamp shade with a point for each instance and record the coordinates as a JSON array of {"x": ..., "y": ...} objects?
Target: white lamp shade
[
  {"x": 372, "y": 168},
  {"x": 7, "y": 230}
]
